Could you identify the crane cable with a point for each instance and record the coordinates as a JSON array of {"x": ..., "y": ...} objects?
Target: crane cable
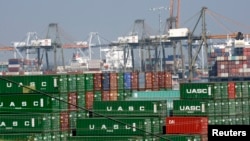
[{"x": 231, "y": 20}]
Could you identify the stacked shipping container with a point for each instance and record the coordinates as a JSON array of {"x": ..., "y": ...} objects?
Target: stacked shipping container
[
  {"x": 35, "y": 107},
  {"x": 56, "y": 102}
]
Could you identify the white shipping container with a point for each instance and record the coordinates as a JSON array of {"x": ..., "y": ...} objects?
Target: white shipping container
[{"x": 179, "y": 32}]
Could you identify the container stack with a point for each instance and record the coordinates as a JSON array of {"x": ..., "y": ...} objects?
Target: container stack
[
  {"x": 34, "y": 108},
  {"x": 59, "y": 106}
]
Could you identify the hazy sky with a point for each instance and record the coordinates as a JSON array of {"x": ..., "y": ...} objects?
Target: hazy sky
[{"x": 110, "y": 18}]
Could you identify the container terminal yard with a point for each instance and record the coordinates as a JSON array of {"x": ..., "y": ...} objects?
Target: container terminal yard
[{"x": 167, "y": 87}]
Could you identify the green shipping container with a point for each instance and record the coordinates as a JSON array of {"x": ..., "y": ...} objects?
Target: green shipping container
[
  {"x": 112, "y": 138},
  {"x": 130, "y": 108},
  {"x": 190, "y": 108},
  {"x": 28, "y": 137},
  {"x": 80, "y": 82},
  {"x": 180, "y": 137},
  {"x": 71, "y": 83},
  {"x": 29, "y": 103},
  {"x": 89, "y": 82},
  {"x": 33, "y": 83},
  {"x": 117, "y": 126},
  {"x": 120, "y": 81},
  {"x": 197, "y": 90},
  {"x": 28, "y": 123}
]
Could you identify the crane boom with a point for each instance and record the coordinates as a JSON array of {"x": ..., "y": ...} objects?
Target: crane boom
[{"x": 225, "y": 36}]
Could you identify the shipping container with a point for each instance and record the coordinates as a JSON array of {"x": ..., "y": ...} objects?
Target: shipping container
[
  {"x": 72, "y": 101},
  {"x": 71, "y": 82},
  {"x": 181, "y": 137},
  {"x": 113, "y": 96},
  {"x": 130, "y": 108},
  {"x": 89, "y": 99},
  {"x": 30, "y": 137},
  {"x": 97, "y": 81},
  {"x": 120, "y": 81},
  {"x": 106, "y": 81},
  {"x": 127, "y": 80},
  {"x": 190, "y": 108},
  {"x": 134, "y": 81},
  {"x": 80, "y": 82},
  {"x": 186, "y": 125},
  {"x": 112, "y": 138},
  {"x": 33, "y": 84},
  {"x": 141, "y": 81},
  {"x": 89, "y": 81},
  {"x": 117, "y": 126},
  {"x": 27, "y": 123},
  {"x": 30, "y": 103},
  {"x": 113, "y": 81},
  {"x": 197, "y": 90}
]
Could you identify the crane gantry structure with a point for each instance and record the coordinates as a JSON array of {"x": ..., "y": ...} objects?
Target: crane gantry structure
[{"x": 144, "y": 42}]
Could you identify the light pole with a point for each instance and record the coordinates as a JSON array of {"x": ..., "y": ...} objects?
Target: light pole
[{"x": 159, "y": 9}]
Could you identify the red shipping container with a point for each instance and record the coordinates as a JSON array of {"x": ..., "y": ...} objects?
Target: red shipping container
[
  {"x": 105, "y": 95},
  {"x": 89, "y": 99},
  {"x": 186, "y": 125},
  {"x": 134, "y": 81},
  {"x": 72, "y": 99},
  {"x": 64, "y": 121},
  {"x": 97, "y": 81},
  {"x": 231, "y": 90}
]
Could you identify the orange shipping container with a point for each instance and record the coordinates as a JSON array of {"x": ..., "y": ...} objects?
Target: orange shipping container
[
  {"x": 113, "y": 81},
  {"x": 113, "y": 96}
]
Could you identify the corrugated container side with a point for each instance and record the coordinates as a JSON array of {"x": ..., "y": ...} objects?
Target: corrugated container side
[
  {"x": 97, "y": 95},
  {"x": 131, "y": 108},
  {"x": 110, "y": 138},
  {"x": 180, "y": 137},
  {"x": 134, "y": 81},
  {"x": 127, "y": 80},
  {"x": 120, "y": 81},
  {"x": 187, "y": 125},
  {"x": 142, "y": 81},
  {"x": 105, "y": 95},
  {"x": 89, "y": 82},
  {"x": 189, "y": 108},
  {"x": 33, "y": 83},
  {"x": 105, "y": 81},
  {"x": 97, "y": 81},
  {"x": 113, "y": 96},
  {"x": 117, "y": 126},
  {"x": 155, "y": 81},
  {"x": 149, "y": 81},
  {"x": 71, "y": 82},
  {"x": 231, "y": 90},
  {"x": 29, "y": 103},
  {"x": 113, "y": 81},
  {"x": 64, "y": 121},
  {"x": 168, "y": 80},
  {"x": 120, "y": 95},
  {"x": 89, "y": 99},
  {"x": 72, "y": 99},
  {"x": 28, "y": 123},
  {"x": 80, "y": 85},
  {"x": 197, "y": 90},
  {"x": 81, "y": 100},
  {"x": 161, "y": 80}
]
